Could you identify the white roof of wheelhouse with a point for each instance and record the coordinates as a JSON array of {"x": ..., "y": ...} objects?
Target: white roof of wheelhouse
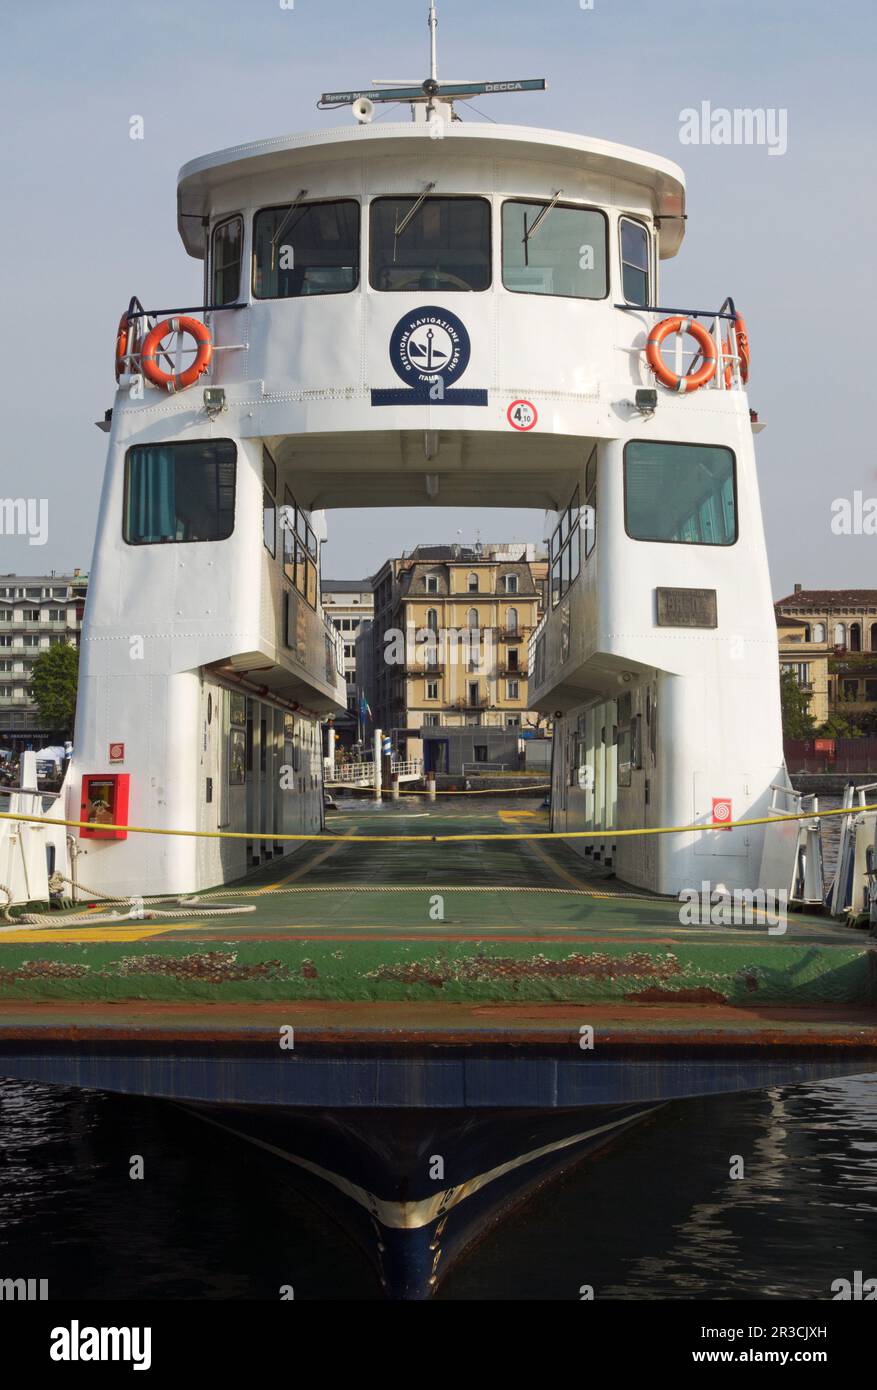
[{"x": 662, "y": 177}]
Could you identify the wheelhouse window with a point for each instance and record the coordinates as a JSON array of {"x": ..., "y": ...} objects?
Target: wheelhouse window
[
  {"x": 228, "y": 240},
  {"x": 306, "y": 248},
  {"x": 440, "y": 244},
  {"x": 554, "y": 249},
  {"x": 179, "y": 492},
  {"x": 634, "y": 261},
  {"x": 680, "y": 492},
  {"x": 299, "y": 549}
]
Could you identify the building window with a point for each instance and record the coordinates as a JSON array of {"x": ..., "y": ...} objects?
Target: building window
[
  {"x": 432, "y": 690},
  {"x": 558, "y": 250},
  {"x": 511, "y": 620},
  {"x": 472, "y": 620},
  {"x": 432, "y": 584},
  {"x": 306, "y": 248},
  {"x": 31, "y": 615},
  {"x": 840, "y": 634},
  {"x": 473, "y": 583},
  {"x": 817, "y": 632},
  {"x": 430, "y": 244},
  {"x": 228, "y": 240},
  {"x": 682, "y": 493},
  {"x": 179, "y": 492},
  {"x": 513, "y": 721},
  {"x": 855, "y": 637},
  {"x": 512, "y": 690},
  {"x": 634, "y": 261},
  {"x": 566, "y": 550},
  {"x": 850, "y": 690},
  {"x": 432, "y": 619},
  {"x": 511, "y": 583},
  {"x": 57, "y": 615},
  {"x": 870, "y": 690},
  {"x": 474, "y": 693}
]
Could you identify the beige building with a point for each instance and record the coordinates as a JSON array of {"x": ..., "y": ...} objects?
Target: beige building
[
  {"x": 808, "y": 662},
  {"x": 452, "y": 625},
  {"x": 842, "y": 624}
]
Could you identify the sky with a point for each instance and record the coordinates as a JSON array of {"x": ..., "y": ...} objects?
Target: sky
[{"x": 89, "y": 215}]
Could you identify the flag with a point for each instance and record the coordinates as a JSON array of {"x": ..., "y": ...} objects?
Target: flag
[{"x": 365, "y": 708}]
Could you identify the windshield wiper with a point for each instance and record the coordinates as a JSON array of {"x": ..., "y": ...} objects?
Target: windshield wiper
[
  {"x": 531, "y": 231},
  {"x": 412, "y": 212},
  {"x": 303, "y": 193}
]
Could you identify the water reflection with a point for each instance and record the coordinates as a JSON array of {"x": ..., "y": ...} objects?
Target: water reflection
[{"x": 657, "y": 1216}]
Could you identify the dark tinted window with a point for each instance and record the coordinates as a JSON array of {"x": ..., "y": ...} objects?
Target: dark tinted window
[
  {"x": 680, "y": 492},
  {"x": 179, "y": 492},
  {"x": 309, "y": 249},
  {"x": 634, "y": 262},
  {"x": 443, "y": 245},
  {"x": 227, "y": 246}
]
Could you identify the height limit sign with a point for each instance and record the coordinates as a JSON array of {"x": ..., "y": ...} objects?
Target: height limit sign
[{"x": 522, "y": 415}]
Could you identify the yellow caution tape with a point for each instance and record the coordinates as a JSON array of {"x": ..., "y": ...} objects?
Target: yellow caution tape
[{"x": 444, "y": 839}]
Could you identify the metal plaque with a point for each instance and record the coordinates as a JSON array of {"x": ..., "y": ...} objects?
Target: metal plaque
[{"x": 687, "y": 608}]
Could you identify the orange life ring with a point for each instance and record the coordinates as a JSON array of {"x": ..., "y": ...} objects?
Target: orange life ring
[
  {"x": 122, "y": 334},
  {"x": 742, "y": 351},
  {"x": 176, "y": 381},
  {"x": 692, "y": 380}
]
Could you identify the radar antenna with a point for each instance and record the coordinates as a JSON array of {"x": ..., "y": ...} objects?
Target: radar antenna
[{"x": 431, "y": 93}]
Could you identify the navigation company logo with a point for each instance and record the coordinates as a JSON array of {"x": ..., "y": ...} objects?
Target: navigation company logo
[
  {"x": 28, "y": 1290},
  {"x": 430, "y": 350},
  {"x": 428, "y": 344},
  {"x": 75, "y": 1343}
]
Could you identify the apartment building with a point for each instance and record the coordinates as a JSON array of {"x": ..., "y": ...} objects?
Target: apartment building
[
  {"x": 347, "y": 604},
  {"x": 36, "y": 612},
  {"x": 450, "y": 636},
  {"x": 839, "y": 626}
]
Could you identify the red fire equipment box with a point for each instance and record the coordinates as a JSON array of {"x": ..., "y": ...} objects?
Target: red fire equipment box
[{"x": 104, "y": 803}]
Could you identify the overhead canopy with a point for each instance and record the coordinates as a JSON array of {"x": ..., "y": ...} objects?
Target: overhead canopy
[{"x": 661, "y": 177}]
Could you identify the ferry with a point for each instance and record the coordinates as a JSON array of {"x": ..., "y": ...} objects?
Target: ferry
[{"x": 396, "y": 314}]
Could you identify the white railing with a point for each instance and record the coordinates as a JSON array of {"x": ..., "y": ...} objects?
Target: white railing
[{"x": 365, "y": 771}]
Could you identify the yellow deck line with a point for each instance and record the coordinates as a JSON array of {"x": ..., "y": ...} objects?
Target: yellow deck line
[{"x": 305, "y": 868}]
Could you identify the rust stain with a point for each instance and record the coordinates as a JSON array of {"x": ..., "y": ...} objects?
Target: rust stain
[
  {"x": 656, "y": 995},
  {"x": 42, "y": 970},
  {"x": 481, "y": 968},
  {"x": 214, "y": 967}
]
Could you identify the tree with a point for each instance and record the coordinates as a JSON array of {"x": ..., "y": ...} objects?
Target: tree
[
  {"x": 797, "y": 719},
  {"x": 53, "y": 686},
  {"x": 840, "y": 726}
]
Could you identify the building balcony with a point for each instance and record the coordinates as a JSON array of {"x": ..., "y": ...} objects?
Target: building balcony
[
  {"x": 514, "y": 672},
  {"x": 481, "y": 703},
  {"x": 511, "y": 634},
  {"x": 435, "y": 668}
]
